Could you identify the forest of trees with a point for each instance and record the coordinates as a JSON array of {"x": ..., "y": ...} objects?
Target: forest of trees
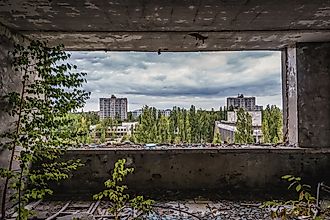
[{"x": 182, "y": 126}]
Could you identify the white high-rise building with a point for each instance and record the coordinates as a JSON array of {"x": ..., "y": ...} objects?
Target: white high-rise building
[{"x": 113, "y": 107}]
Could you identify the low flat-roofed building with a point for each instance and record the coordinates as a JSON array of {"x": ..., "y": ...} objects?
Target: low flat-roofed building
[{"x": 227, "y": 131}]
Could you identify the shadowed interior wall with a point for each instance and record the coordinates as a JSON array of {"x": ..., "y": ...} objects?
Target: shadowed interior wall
[{"x": 313, "y": 80}]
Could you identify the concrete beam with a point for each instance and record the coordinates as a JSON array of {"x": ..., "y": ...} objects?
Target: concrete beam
[{"x": 178, "y": 40}]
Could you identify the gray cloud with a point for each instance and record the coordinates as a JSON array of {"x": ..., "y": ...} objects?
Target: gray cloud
[{"x": 203, "y": 79}]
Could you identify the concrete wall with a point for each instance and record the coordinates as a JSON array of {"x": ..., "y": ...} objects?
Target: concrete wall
[
  {"x": 9, "y": 81},
  {"x": 225, "y": 172},
  {"x": 313, "y": 80}
]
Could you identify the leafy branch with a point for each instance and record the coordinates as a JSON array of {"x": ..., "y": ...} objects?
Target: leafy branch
[
  {"x": 50, "y": 89},
  {"x": 304, "y": 205}
]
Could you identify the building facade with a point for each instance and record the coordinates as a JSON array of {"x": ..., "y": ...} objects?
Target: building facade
[
  {"x": 227, "y": 129},
  {"x": 137, "y": 113},
  {"x": 166, "y": 112},
  {"x": 113, "y": 107},
  {"x": 255, "y": 115},
  {"x": 126, "y": 128},
  {"x": 227, "y": 132},
  {"x": 246, "y": 103}
]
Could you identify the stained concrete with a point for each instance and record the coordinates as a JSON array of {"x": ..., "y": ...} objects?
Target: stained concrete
[
  {"x": 313, "y": 82},
  {"x": 289, "y": 94},
  {"x": 9, "y": 82},
  {"x": 149, "y": 25},
  {"x": 178, "y": 41},
  {"x": 225, "y": 172}
]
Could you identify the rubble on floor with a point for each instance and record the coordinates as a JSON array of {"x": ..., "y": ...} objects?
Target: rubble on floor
[
  {"x": 186, "y": 210},
  {"x": 151, "y": 146}
]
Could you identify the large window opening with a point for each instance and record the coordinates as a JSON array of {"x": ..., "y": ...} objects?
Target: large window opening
[{"x": 186, "y": 98}]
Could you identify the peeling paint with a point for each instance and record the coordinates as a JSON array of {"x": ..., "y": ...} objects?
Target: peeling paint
[
  {"x": 255, "y": 38},
  {"x": 72, "y": 14},
  {"x": 323, "y": 12},
  {"x": 39, "y": 21},
  {"x": 73, "y": 9},
  {"x": 307, "y": 22},
  {"x": 63, "y": 4},
  {"x": 202, "y": 46},
  {"x": 270, "y": 38},
  {"x": 126, "y": 38},
  {"x": 180, "y": 21},
  {"x": 91, "y": 5}
]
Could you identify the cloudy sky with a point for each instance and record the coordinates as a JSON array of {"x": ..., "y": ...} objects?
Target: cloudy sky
[{"x": 203, "y": 79}]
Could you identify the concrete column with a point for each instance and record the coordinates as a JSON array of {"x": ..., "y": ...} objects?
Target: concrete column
[
  {"x": 313, "y": 104},
  {"x": 306, "y": 94},
  {"x": 289, "y": 82}
]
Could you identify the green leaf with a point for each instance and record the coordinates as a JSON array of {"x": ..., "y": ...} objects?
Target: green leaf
[
  {"x": 286, "y": 176},
  {"x": 291, "y": 178},
  {"x": 298, "y": 187}
]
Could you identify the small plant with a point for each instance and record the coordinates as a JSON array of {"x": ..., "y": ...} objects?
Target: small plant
[
  {"x": 304, "y": 205},
  {"x": 119, "y": 199}
]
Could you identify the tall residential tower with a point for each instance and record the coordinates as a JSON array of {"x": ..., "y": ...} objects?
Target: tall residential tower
[
  {"x": 113, "y": 107},
  {"x": 247, "y": 103}
]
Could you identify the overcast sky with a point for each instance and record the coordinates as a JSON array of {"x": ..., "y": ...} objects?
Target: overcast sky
[{"x": 180, "y": 79}]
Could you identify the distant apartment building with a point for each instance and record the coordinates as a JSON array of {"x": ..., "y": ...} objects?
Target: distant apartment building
[
  {"x": 227, "y": 129},
  {"x": 166, "y": 112},
  {"x": 126, "y": 128},
  {"x": 113, "y": 107},
  {"x": 136, "y": 113},
  {"x": 246, "y": 103}
]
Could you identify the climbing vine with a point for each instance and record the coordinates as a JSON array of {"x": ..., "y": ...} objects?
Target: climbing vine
[{"x": 50, "y": 89}]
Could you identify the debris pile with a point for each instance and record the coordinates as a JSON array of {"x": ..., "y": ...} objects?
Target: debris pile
[
  {"x": 152, "y": 146},
  {"x": 186, "y": 210}
]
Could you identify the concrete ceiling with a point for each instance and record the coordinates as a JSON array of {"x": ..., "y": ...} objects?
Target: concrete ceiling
[{"x": 169, "y": 25}]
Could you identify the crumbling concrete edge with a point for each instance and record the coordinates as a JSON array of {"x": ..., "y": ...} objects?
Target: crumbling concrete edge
[{"x": 14, "y": 36}]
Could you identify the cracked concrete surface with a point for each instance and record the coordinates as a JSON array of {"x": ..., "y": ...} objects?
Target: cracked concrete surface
[{"x": 149, "y": 25}]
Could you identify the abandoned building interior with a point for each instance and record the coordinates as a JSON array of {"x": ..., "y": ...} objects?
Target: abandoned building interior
[{"x": 299, "y": 29}]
